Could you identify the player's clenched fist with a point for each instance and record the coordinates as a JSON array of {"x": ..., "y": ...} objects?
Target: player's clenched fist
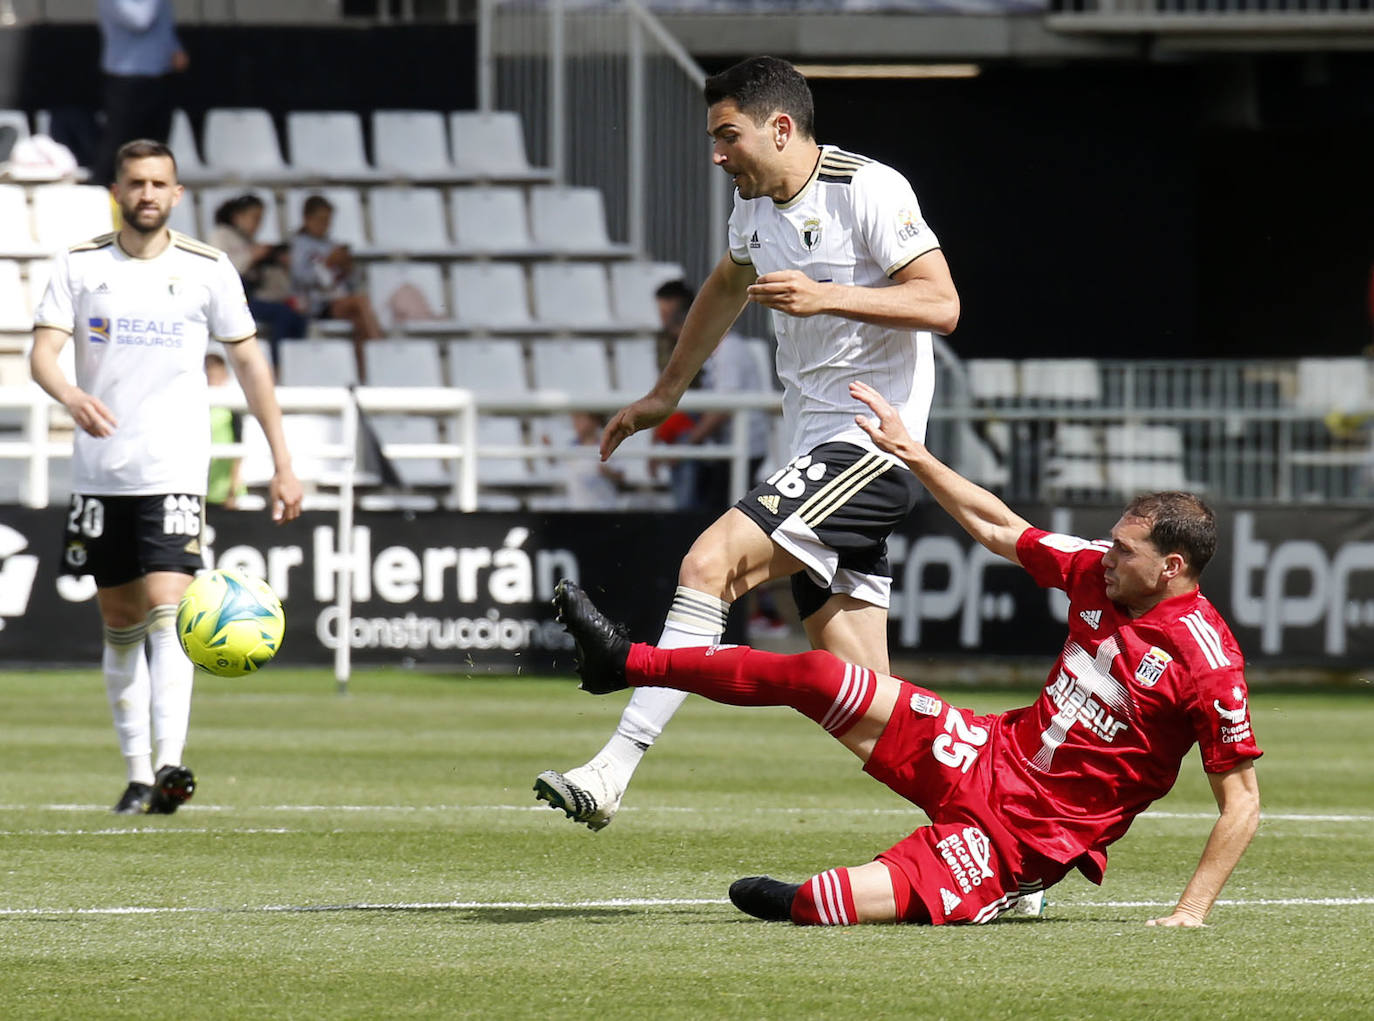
[{"x": 790, "y": 291}]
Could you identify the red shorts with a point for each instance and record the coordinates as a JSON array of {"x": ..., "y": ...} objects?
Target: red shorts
[{"x": 966, "y": 867}]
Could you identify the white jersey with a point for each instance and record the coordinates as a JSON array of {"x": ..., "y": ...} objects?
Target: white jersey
[
  {"x": 140, "y": 327},
  {"x": 855, "y": 222}
]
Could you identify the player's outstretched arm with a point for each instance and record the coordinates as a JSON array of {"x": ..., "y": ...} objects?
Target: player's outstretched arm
[
  {"x": 980, "y": 513},
  {"x": 1237, "y": 794},
  {"x": 87, "y": 411},
  {"x": 255, "y": 377},
  {"x": 923, "y": 298},
  {"x": 717, "y": 305}
]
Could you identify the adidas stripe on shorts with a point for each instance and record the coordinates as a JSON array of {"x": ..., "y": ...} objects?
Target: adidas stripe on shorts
[{"x": 833, "y": 509}]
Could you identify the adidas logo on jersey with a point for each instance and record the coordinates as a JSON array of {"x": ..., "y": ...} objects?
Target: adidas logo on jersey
[
  {"x": 104, "y": 288},
  {"x": 949, "y": 900},
  {"x": 770, "y": 502},
  {"x": 1092, "y": 617},
  {"x": 754, "y": 241}
]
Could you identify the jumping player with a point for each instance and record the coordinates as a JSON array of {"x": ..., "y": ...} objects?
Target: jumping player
[
  {"x": 140, "y": 304},
  {"x": 1018, "y": 799},
  {"x": 836, "y": 246}
]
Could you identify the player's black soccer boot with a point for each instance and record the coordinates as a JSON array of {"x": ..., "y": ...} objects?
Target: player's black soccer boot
[
  {"x": 136, "y": 800},
  {"x": 764, "y": 897},
  {"x": 172, "y": 788},
  {"x": 602, "y": 645}
]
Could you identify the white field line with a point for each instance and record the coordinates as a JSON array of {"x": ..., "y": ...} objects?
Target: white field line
[
  {"x": 138, "y": 830},
  {"x": 683, "y": 809},
  {"x": 619, "y": 902}
]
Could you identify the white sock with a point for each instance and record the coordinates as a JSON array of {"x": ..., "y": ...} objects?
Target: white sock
[
  {"x": 694, "y": 620},
  {"x": 126, "y": 685},
  {"x": 172, "y": 675}
]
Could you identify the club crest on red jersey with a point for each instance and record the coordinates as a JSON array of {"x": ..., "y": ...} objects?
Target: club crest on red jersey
[{"x": 1152, "y": 666}]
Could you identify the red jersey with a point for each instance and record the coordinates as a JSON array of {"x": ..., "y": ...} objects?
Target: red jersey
[{"x": 1126, "y": 700}]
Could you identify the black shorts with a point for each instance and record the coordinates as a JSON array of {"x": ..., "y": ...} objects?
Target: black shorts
[
  {"x": 120, "y": 538},
  {"x": 833, "y": 510}
]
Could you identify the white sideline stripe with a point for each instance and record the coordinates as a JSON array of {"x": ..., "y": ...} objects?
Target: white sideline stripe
[
  {"x": 619, "y": 902},
  {"x": 753, "y": 810},
  {"x": 135, "y": 830}
]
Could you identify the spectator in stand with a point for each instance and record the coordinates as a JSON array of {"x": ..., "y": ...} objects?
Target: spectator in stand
[
  {"x": 264, "y": 268},
  {"x": 324, "y": 277},
  {"x": 591, "y": 483},
  {"x": 701, "y": 484},
  {"x": 139, "y": 54}
]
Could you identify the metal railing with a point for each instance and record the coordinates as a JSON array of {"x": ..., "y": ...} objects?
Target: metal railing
[
  {"x": 609, "y": 99},
  {"x": 1229, "y": 16}
]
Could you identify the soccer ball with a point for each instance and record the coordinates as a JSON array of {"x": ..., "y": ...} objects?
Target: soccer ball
[{"x": 230, "y": 624}]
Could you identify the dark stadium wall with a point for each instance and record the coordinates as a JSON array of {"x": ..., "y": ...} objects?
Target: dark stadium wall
[
  {"x": 1142, "y": 210},
  {"x": 279, "y": 68}
]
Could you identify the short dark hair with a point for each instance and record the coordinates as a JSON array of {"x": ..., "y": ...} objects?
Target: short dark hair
[
  {"x": 314, "y": 204},
  {"x": 141, "y": 149},
  {"x": 676, "y": 290},
  {"x": 1179, "y": 523},
  {"x": 231, "y": 208},
  {"x": 761, "y": 85}
]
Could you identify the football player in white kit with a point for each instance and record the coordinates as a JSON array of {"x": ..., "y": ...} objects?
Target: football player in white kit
[
  {"x": 835, "y": 244},
  {"x": 141, "y": 304}
]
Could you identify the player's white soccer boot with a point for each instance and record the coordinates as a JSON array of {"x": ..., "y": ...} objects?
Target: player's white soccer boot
[
  {"x": 589, "y": 794},
  {"x": 1030, "y": 904}
]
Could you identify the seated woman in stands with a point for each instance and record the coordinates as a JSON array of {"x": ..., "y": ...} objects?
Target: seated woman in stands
[
  {"x": 324, "y": 277},
  {"x": 266, "y": 278}
]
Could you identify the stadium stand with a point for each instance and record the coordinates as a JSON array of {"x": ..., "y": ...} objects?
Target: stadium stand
[
  {"x": 569, "y": 219},
  {"x": 403, "y": 362},
  {"x": 410, "y": 222},
  {"x": 571, "y": 295},
  {"x": 491, "y": 221},
  {"x": 633, "y": 284},
  {"x": 64, "y": 214}
]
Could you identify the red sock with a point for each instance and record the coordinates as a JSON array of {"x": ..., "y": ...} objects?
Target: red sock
[
  {"x": 825, "y": 899},
  {"x": 833, "y": 693}
]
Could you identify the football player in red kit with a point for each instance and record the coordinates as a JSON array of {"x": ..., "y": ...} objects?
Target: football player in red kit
[{"x": 1016, "y": 799}]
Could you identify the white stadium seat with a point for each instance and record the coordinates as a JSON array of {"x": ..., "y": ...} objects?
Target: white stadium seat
[
  {"x": 316, "y": 362},
  {"x": 190, "y": 167},
  {"x": 1061, "y": 380},
  {"x": 210, "y": 199},
  {"x": 992, "y": 379},
  {"x": 576, "y": 367},
  {"x": 408, "y": 429},
  {"x": 1153, "y": 442},
  {"x": 411, "y": 144},
  {"x": 347, "y": 226},
  {"x": 66, "y": 214},
  {"x": 568, "y": 219},
  {"x": 1328, "y": 384},
  {"x": 493, "y": 220},
  {"x": 384, "y": 278},
  {"x": 636, "y": 364},
  {"x": 328, "y": 145},
  {"x": 490, "y": 295},
  {"x": 409, "y": 221},
  {"x": 16, "y": 315},
  {"x": 16, "y": 224},
  {"x": 16, "y": 119},
  {"x": 489, "y": 366},
  {"x": 403, "y": 362},
  {"x": 571, "y": 294},
  {"x": 490, "y": 144},
  {"x": 632, "y": 290},
  {"x": 242, "y": 142},
  {"x": 183, "y": 216},
  {"x": 501, "y": 431}
]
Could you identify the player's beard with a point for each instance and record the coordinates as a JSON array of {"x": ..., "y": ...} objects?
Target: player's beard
[{"x": 150, "y": 224}]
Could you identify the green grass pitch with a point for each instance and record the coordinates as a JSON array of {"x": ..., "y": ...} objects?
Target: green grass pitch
[{"x": 380, "y": 855}]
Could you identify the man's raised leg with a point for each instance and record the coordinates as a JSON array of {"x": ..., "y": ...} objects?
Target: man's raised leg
[{"x": 726, "y": 561}]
